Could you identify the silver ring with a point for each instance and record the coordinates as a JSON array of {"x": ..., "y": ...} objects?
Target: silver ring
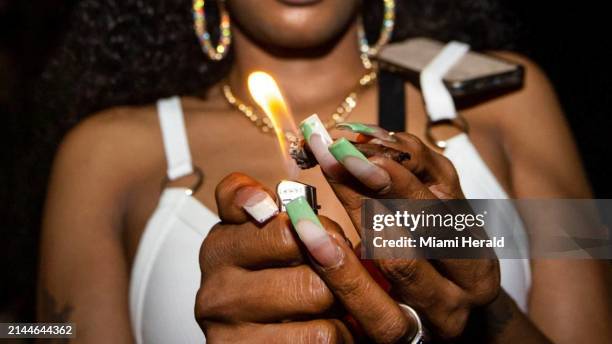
[{"x": 419, "y": 336}]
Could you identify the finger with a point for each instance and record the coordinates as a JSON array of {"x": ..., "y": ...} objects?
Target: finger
[
  {"x": 318, "y": 140},
  {"x": 479, "y": 278},
  {"x": 269, "y": 295},
  {"x": 324, "y": 331},
  {"x": 370, "y": 305},
  {"x": 370, "y": 175},
  {"x": 239, "y": 196},
  {"x": 423, "y": 160},
  {"x": 417, "y": 283},
  {"x": 369, "y": 130},
  {"x": 403, "y": 183},
  {"x": 251, "y": 247},
  {"x": 430, "y": 166}
]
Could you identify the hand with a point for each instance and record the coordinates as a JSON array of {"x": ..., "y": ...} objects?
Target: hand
[
  {"x": 257, "y": 287},
  {"x": 255, "y": 280},
  {"x": 444, "y": 291}
]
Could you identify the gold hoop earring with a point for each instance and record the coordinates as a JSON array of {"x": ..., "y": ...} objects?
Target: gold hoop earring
[
  {"x": 386, "y": 31},
  {"x": 215, "y": 53}
]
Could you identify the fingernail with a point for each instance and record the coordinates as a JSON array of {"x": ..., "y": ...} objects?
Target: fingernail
[
  {"x": 313, "y": 125},
  {"x": 311, "y": 232},
  {"x": 257, "y": 203},
  {"x": 368, "y": 130},
  {"x": 319, "y": 140},
  {"x": 358, "y": 165}
]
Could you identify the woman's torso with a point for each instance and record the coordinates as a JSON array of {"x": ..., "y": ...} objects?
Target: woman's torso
[
  {"x": 165, "y": 274},
  {"x": 222, "y": 141}
]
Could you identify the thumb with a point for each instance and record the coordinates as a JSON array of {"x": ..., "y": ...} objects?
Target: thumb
[{"x": 240, "y": 197}]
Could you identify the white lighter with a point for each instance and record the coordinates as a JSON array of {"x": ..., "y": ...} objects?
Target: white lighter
[{"x": 288, "y": 190}]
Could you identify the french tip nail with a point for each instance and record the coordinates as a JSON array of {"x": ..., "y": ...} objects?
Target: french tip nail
[
  {"x": 355, "y": 127},
  {"x": 358, "y": 165},
  {"x": 313, "y": 125},
  {"x": 320, "y": 245},
  {"x": 343, "y": 148},
  {"x": 368, "y": 130},
  {"x": 257, "y": 203}
]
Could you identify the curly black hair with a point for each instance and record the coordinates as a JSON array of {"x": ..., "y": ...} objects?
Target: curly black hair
[{"x": 132, "y": 52}]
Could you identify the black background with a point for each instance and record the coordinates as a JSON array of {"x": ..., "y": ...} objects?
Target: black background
[{"x": 568, "y": 39}]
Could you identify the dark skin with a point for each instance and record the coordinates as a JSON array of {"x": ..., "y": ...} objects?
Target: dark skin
[{"x": 100, "y": 197}]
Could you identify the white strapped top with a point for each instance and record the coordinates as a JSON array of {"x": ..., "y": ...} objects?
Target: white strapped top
[{"x": 166, "y": 275}]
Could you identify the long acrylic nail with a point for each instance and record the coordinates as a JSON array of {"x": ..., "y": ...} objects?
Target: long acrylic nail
[
  {"x": 319, "y": 140},
  {"x": 257, "y": 203},
  {"x": 313, "y": 125},
  {"x": 368, "y": 130},
  {"x": 358, "y": 165},
  {"x": 310, "y": 230}
]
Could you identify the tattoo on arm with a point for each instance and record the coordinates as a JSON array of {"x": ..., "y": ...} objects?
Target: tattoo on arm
[{"x": 51, "y": 311}]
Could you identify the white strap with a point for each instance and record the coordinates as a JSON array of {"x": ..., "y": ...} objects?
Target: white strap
[
  {"x": 438, "y": 100},
  {"x": 174, "y": 136}
]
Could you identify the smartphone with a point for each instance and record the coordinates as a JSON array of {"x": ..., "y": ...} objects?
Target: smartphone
[{"x": 474, "y": 74}]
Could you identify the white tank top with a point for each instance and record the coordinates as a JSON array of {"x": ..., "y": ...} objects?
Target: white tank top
[{"x": 166, "y": 274}]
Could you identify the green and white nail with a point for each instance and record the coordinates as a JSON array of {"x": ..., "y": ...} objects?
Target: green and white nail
[
  {"x": 312, "y": 234},
  {"x": 343, "y": 149},
  {"x": 313, "y": 125},
  {"x": 359, "y": 166},
  {"x": 368, "y": 130},
  {"x": 299, "y": 210}
]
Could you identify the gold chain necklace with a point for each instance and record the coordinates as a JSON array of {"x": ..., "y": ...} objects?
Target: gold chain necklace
[{"x": 340, "y": 115}]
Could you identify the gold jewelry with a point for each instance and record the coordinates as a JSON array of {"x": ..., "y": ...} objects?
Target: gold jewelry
[
  {"x": 386, "y": 31},
  {"x": 339, "y": 116},
  {"x": 199, "y": 17}
]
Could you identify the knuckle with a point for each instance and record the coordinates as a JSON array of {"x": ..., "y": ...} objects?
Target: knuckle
[
  {"x": 216, "y": 247},
  {"x": 447, "y": 167},
  {"x": 353, "y": 287},
  {"x": 281, "y": 233},
  {"x": 415, "y": 143},
  {"x": 402, "y": 271},
  {"x": 208, "y": 250},
  {"x": 316, "y": 297},
  {"x": 212, "y": 304},
  {"x": 322, "y": 332},
  {"x": 420, "y": 153},
  {"x": 421, "y": 194},
  {"x": 349, "y": 199},
  {"x": 393, "y": 329},
  {"x": 232, "y": 180},
  {"x": 487, "y": 285},
  {"x": 280, "y": 240},
  {"x": 454, "y": 325}
]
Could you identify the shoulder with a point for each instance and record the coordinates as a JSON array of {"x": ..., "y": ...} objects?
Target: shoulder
[
  {"x": 111, "y": 145},
  {"x": 534, "y": 105},
  {"x": 537, "y": 137},
  {"x": 536, "y": 89}
]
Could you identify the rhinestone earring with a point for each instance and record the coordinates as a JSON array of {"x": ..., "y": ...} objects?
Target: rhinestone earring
[
  {"x": 215, "y": 53},
  {"x": 385, "y": 34}
]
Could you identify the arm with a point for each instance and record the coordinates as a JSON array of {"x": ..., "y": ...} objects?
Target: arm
[
  {"x": 83, "y": 271},
  {"x": 569, "y": 300}
]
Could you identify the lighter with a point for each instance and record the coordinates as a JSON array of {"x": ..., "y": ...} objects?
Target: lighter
[{"x": 288, "y": 190}]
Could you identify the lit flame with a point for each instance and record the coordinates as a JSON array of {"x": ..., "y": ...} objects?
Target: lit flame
[{"x": 267, "y": 95}]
